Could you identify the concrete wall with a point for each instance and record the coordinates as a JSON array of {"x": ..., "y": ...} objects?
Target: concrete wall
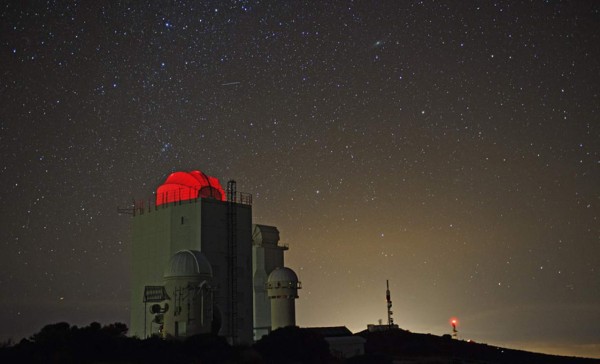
[
  {"x": 214, "y": 247},
  {"x": 190, "y": 307},
  {"x": 267, "y": 255},
  {"x": 199, "y": 225}
]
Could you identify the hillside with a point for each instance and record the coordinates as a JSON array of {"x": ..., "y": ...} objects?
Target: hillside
[
  {"x": 405, "y": 347},
  {"x": 62, "y": 343}
]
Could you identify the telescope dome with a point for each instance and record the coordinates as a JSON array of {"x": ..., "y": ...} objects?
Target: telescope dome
[
  {"x": 187, "y": 263},
  {"x": 282, "y": 274}
]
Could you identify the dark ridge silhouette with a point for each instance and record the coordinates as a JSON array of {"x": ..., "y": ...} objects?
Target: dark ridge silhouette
[
  {"x": 65, "y": 344},
  {"x": 96, "y": 344},
  {"x": 409, "y": 347},
  {"x": 293, "y": 345}
]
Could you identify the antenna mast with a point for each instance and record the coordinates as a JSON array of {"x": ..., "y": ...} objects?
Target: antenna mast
[{"x": 389, "y": 304}]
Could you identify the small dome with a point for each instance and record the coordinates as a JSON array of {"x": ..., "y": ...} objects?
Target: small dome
[
  {"x": 187, "y": 263},
  {"x": 282, "y": 275}
]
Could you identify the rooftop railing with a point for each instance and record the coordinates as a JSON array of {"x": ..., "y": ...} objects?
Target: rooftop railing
[{"x": 139, "y": 207}]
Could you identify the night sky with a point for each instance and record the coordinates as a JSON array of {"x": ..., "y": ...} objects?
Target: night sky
[{"x": 450, "y": 147}]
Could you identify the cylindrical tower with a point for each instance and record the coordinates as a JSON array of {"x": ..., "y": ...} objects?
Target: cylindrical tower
[
  {"x": 282, "y": 289},
  {"x": 187, "y": 281}
]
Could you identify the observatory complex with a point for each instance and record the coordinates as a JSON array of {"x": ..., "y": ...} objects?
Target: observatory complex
[{"x": 200, "y": 265}]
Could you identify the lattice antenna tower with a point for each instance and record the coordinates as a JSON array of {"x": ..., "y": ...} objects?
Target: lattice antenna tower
[{"x": 389, "y": 304}]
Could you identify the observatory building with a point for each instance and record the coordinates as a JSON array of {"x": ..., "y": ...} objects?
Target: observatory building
[
  {"x": 282, "y": 288},
  {"x": 200, "y": 265}
]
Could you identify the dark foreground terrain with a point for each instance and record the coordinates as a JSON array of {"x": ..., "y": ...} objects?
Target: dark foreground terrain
[
  {"x": 408, "y": 348},
  {"x": 62, "y": 343}
]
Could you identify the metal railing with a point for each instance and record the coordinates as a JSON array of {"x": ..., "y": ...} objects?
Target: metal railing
[{"x": 139, "y": 207}]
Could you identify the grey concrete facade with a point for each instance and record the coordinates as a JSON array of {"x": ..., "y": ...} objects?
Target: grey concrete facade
[
  {"x": 197, "y": 224},
  {"x": 267, "y": 255}
]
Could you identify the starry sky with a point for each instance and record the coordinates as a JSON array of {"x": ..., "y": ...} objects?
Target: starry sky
[{"x": 452, "y": 147}]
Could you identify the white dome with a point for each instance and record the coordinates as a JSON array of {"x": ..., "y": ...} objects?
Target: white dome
[
  {"x": 186, "y": 263},
  {"x": 282, "y": 275}
]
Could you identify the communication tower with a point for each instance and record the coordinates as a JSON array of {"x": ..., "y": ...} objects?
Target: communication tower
[{"x": 389, "y": 305}]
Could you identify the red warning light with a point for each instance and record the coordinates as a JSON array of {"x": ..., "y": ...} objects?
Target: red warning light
[{"x": 454, "y": 321}]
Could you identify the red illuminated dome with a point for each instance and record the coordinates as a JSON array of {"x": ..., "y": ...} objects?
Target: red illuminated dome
[{"x": 182, "y": 186}]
